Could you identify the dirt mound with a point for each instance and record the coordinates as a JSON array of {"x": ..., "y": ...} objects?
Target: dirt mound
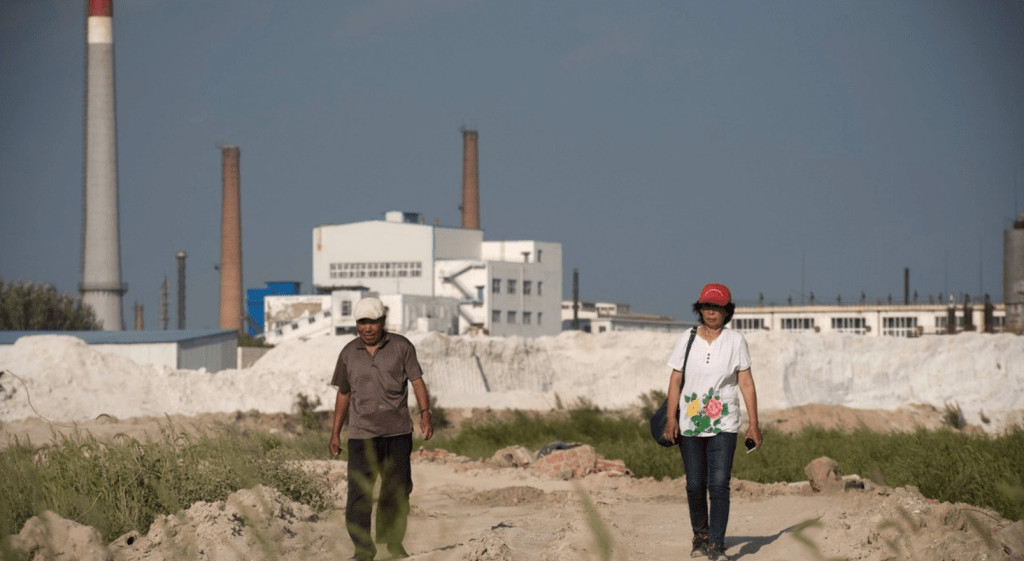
[{"x": 488, "y": 513}]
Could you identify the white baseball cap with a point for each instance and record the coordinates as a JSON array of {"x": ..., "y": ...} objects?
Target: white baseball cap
[{"x": 368, "y": 308}]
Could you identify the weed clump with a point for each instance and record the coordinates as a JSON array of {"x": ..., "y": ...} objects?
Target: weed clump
[{"x": 124, "y": 484}]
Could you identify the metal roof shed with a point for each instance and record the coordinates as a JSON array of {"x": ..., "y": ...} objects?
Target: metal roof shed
[{"x": 213, "y": 350}]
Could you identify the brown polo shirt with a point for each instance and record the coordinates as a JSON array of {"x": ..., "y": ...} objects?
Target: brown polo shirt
[{"x": 378, "y": 386}]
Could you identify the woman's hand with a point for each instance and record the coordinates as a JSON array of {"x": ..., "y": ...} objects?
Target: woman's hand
[
  {"x": 671, "y": 428},
  {"x": 754, "y": 433}
]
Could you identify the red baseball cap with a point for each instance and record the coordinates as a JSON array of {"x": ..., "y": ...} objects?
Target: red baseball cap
[{"x": 714, "y": 293}]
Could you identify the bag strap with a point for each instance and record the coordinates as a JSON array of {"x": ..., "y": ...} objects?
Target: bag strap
[{"x": 686, "y": 358}]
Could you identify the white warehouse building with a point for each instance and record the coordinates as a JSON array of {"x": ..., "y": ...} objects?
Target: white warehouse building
[{"x": 441, "y": 278}]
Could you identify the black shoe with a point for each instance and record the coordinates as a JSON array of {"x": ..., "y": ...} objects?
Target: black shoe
[
  {"x": 716, "y": 552},
  {"x": 700, "y": 545}
]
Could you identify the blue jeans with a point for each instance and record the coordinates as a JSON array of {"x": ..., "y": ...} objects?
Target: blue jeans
[{"x": 708, "y": 464}]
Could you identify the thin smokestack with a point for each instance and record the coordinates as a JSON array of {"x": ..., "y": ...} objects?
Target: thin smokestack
[
  {"x": 470, "y": 181},
  {"x": 101, "y": 286},
  {"x": 163, "y": 304},
  {"x": 906, "y": 286},
  {"x": 575, "y": 299},
  {"x": 181, "y": 289},
  {"x": 231, "y": 242}
]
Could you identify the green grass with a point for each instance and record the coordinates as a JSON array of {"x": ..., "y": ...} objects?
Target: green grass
[
  {"x": 947, "y": 465},
  {"x": 124, "y": 484}
]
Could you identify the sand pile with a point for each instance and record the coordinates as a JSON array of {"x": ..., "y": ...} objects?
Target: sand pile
[{"x": 68, "y": 381}]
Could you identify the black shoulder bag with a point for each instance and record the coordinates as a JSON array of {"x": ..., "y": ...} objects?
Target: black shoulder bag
[{"x": 660, "y": 417}]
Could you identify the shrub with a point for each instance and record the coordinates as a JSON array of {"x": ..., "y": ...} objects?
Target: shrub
[{"x": 33, "y": 307}]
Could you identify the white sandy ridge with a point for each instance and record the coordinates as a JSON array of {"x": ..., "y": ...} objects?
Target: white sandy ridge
[{"x": 68, "y": 381}]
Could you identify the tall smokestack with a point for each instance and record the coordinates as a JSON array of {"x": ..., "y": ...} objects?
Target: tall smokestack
[
  {"x": 101, "y": 286},
  {"x": 181, "y": 289},
  {"x": 231, "y": 242},
  {"x": 470, "y": 181}
]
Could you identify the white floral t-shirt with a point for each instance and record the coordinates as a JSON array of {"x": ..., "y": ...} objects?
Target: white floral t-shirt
[{"x": 710, "y": 398}]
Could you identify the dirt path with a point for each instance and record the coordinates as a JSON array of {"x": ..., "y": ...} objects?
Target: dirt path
[{"x": 469, "y": 510}]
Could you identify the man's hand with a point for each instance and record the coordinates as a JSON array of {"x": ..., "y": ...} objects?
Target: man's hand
[
  {"x": 335, "y": 446},
  {"x": 426, "y": 424}
]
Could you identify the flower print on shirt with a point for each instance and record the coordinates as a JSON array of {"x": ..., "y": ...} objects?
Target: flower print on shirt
[
  {"x": 705, "y": 413},
  {"x": 693, "y": 407}
]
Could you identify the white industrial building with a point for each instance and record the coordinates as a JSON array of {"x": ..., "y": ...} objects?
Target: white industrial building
[
  {"x": 212, "y": 350},
  {"x": 895, "y": 320},
  {"x": 600, "y": 317},
  {"x": 430, "y": 277}
]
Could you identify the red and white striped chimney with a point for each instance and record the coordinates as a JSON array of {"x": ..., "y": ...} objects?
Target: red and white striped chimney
[
  {"x": 470, "y": 181},
  {"x": 101, "y": 286}
]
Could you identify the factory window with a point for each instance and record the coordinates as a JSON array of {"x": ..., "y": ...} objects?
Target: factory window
[
  {"x": 511, "y": 316},
  {"x": 527, "y": 318},
  {"x": 496, "y": 286},
  {"x": 748, "y": 324},
  {"x": 377, "y": 269},
  {"x": 540, "y": 286},
  {"x": 849, "y": 325},
  {"x": 797, "y": 324},
  {"x": 511, "y": 286},
  {"x": 496, "y": 316},
  {"x": 527, "y": 287},
  {"x": 899, "y": 326}
]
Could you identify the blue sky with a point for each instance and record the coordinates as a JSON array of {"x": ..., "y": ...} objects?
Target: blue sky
[{"x": 782, "y": 148}]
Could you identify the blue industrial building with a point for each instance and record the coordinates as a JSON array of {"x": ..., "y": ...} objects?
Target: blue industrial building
[{"x": 254, "y": 302}]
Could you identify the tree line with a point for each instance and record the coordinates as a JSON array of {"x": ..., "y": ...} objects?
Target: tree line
[{"x": 27, "y": 306}]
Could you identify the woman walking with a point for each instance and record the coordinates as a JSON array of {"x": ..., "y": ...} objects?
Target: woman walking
[{"x": 704, "y": 414}]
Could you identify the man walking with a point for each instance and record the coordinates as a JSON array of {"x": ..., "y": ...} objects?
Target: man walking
[{"x": 372, "y": 376}]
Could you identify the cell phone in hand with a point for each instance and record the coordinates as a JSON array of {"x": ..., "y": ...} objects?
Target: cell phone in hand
[{"x": 750, "y": 444}]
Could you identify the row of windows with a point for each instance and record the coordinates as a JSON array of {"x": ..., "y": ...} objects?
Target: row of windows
[
  {"x": 748, "y": 324},
  {"x": 279, "y": 330},
  {"x": 511, "y": 316},
  {"x": 896, "y": 326},
  {"x": 512, "y": 285},
  {"x": 373, "y": 274},
  {"x": 900, "y": 326},
  {"x": 853, "y": 325},
  {"x": 797, "y": 323},
  {"x": 941, "y": 321},
  {"x": 371, "y": 265},
  {"x": 376, "y": 269}
]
